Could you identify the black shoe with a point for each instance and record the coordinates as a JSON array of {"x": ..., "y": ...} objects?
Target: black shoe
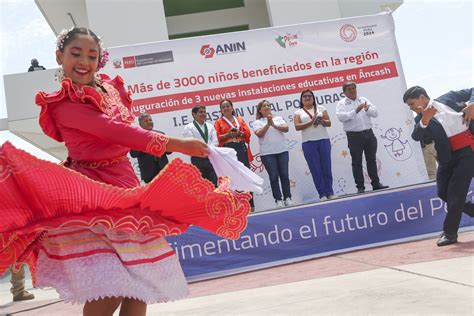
[
  {"x": 360, "y": 190},
  {"x": 446, "y": 239},
  {"x": 379, "y": 186}
]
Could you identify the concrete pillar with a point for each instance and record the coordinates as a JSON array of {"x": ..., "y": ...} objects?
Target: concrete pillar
[
  {"x": 122, "y": 23},
  {"x": 284, "y": 12},
  {"x": 3, "y": 124}
]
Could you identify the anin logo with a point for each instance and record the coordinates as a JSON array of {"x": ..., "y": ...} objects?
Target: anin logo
[{"x": 209, "y": 52}]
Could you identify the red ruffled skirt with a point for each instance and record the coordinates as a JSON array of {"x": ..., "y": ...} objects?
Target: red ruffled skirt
[{"x": 91, "y": 240}]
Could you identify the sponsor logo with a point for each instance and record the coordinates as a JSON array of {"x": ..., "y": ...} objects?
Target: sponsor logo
[
  {"x": 367, "y": 30},
  {"x": 129, "y": 62},
  {"x": 287, "y": 40},
  {"x": 117, "y": 63},
  {"x": 147, "y": 59},
  {"x": 208, "y": 51},
  {"x": 348, "y": 32}
]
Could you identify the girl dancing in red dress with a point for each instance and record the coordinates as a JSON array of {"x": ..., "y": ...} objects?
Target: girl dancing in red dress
[{"x": 86, "y": 227}]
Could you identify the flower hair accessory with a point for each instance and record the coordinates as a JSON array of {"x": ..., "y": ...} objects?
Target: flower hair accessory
[
  {"x": 104, "y": 58},
  {"x": 104, "y": 54},
  {"x": 62, "y": 36}
]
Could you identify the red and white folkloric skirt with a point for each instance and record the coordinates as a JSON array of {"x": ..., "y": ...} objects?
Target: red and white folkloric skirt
[{"x": 91, "y": 240}]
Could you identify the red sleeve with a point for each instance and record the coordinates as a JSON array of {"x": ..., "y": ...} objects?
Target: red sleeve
[
  {"x": 88, "y": 119},
  {"x": 125, "y": 95},
  {"x": 244, "y": 128},
  {"x": 221, "y": 129}
]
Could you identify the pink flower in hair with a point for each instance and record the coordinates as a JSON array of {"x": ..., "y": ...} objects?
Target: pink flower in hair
[{"x": 104, "y": 58}]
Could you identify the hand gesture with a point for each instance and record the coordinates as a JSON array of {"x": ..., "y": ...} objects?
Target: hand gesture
[
  {"x": 188, "y": 146},
  {"x": 366, "y": 106},
  {"x": 270, "y": 120},
  {"x": 233, "y": 133},
  {"x": 360, "y": 107},
  {"x": 428, "y": 114},
  {"x": 469, "y": 113}
]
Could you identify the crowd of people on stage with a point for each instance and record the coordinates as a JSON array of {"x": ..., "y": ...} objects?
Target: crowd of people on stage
[
  {"x": 354, "y": 111},
  {"x": 456, "y": 168},
  {"x": 311, "y": 119}
]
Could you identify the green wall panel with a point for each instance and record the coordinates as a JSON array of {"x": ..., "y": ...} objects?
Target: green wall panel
[
  {"x": 210, "y": 32},
  {"x": 180, "y": 7}
]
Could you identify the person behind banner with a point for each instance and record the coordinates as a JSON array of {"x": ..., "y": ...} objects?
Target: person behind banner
[
  {"x": 233, "y": 132},
  {"x": 149, "y": 165},
  {"x": 35, "y": 66},
  {"x": 206, "y": 132},
  {"x": 274, "y": 151},
  {"x": 443, "y": 119},
  {"x": 355, "y": 113},
  {"x": 312, "y": 120},
  {"x": 86, "y": 227}
]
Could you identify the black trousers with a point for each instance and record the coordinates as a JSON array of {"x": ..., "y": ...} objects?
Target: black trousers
[
  {"x": 205, "y": 166},
  {"x": 359, "y": 143},
  {"x": 241, "y": 149},
  {"x": 242, "y": 156},
  {"x": 453, "y": 180}
]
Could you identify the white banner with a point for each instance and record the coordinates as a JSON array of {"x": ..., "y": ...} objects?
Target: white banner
[{"x": 168, "y": 78}]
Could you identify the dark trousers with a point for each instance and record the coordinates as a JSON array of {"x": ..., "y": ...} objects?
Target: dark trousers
[
  {"x": 359, "y": 143},
  {"x": 242, "y": 156},
  {"x": 318, "y": 157},
  {"x": 242, "y": 153},
  {"x": 277, "y": 168},
  {"x": 207, "y": 171},
  {"x": 453, "y": 180}
]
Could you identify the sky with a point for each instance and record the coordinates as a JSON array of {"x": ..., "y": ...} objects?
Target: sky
[{"x": 435, "y": 40}]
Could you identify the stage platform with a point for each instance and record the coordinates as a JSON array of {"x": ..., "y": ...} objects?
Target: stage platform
[
  {"x": 325, "y": 258},
  {"x": 293, "y": 234},
  {"x": 414, "y": 278}
]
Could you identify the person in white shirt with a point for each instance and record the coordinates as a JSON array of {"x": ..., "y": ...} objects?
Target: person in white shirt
[
  {"x": 355, "y": 113},
  {"x": 274, "y": 151},
  {"x": 446, "y": 122},
  {"x": 204, "y": 131},
  {"x": 312, "y": 121}
]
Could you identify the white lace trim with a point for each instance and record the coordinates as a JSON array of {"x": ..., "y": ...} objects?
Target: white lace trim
[{"x": 103, "y": 275}]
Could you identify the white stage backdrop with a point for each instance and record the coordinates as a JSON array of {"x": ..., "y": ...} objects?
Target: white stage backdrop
[{"x": 168, "y": 78}]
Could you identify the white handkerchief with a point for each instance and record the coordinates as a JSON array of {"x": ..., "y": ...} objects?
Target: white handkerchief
[{"x": 225, "y": 163}]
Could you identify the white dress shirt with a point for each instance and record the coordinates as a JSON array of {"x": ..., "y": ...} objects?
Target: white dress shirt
[
  {"x": 191, "y": 131},
  {"x": 274, "y": 141},
  {"x": 312, "y": 132},
  {"x": 451, "y": 120},
  {"x": 352, "y": 121}
]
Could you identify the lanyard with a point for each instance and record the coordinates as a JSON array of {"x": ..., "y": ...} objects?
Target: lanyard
[
  {"x": 204, "y": 135},
  {"x": 232, "y": 125},
  {"x": 310, "y": 116}
]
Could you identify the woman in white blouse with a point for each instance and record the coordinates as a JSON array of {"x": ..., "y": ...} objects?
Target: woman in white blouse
[
  {"x": 274, "y": 151},
  {"x": 312, "y": 121}
]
